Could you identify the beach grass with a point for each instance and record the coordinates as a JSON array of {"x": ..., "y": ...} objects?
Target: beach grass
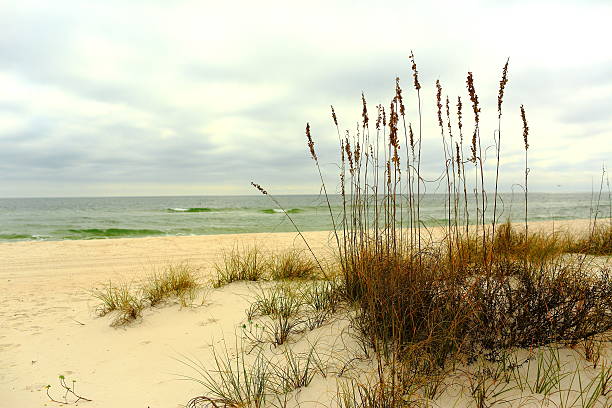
[
  {"x": 597, "y": 242},
  {"x": 426, "y": 311},
  {"x": 128, "y": 300},
  {"x": 179, "y": 281},
  {"x": 253, "y": 264},
  {"x": 293, "y": 264},
  {"x": 248, "y": 264},
  {"x": 121, "y": 300}
]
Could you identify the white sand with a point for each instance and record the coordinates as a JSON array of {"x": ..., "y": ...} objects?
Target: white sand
[{"x": 48, "y": 324}]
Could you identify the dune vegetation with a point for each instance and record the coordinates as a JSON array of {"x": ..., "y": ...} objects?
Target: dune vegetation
[{"x": 483, "y": 314}]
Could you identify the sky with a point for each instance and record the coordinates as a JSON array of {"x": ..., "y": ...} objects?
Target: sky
[{"x": 116, "y": 98}]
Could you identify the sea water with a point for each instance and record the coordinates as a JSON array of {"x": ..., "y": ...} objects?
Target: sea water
[{"x": 114, "y": 217}]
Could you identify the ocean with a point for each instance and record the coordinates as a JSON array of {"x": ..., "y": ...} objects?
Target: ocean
[{"x": 35, "y": 219}]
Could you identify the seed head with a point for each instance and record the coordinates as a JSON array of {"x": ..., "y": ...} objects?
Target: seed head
[
  {"x": 502, "y": 87},
  {"x": 411, "y": 133},
  {"x": 334, "y": 115},
  {"x": 393, "y": 138},
  {"x": 393, "y": 119},
  {"x": 349, "y": 153},
  {"x": 459, "y": 106},
  {"x": 458, "y": 159},
  {"x": 439, "y": 102},
  {"x": 364, "y": 113},
  {"x": 313, "y": 154},
  {"x": 415, "y": 72},
  {"x": 398, "y": 97},
  {"x": 473, "y": 97},
  {"x": 260, "y": 188},
  {"x": 448, "y": 120},
  {"x": 525, "y": 127}
]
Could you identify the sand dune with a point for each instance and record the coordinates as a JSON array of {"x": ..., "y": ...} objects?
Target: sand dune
[{"x": 48, "y": 324}]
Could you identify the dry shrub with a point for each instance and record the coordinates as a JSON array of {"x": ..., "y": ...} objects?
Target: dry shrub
[
  {"x": 402, "y": 301},
  {"x": 485, "y": 288},
  {"x": 527, "y": 305}
]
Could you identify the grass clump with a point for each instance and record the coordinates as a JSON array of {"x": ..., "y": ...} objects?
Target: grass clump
[
  {"x": 421, "y": 308},
  {"x": 282, "y": 299},
  {"x": 128, "y": 302},
  {"x": 178, "y": 281},
  {"x": 288, "y": 308},
  {"x": 484, "y": 288},
  {"x": 119, "y": 299},
  {"x": 235, "y": 381},
  {"x": 246, "y": 265},
  {"x": 597, "y": 242},
  {"x": 252, "y": 264},
  {"x": 292, "y": 264},
  {"x": 252, "y": 379},
  {"x": 280, "y": 309},
  {"x": 510, "y": 243}
]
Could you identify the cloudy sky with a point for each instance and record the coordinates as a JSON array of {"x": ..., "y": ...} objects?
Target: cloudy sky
[{"x": 156, "y": 97}]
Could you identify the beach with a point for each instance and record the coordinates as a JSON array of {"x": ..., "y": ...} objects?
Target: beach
[{"x": 49, "y": 326}]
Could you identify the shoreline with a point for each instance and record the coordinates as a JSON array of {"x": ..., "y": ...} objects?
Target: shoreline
[{"x": 562, "y": 222}]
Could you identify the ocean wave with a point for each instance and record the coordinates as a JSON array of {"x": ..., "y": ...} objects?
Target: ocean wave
[
  {"x": 191, "y": 210},
  {"x": 16, "y": 236},
  {"x": 93, "y": 233},
  {"x": 280, "y": 211}
]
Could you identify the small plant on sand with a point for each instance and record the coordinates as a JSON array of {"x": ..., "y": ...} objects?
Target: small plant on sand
[
  {"x": 281, "y": 298},
  {"x": 241, "y": 265},
  {"x": 296, "y": 370},
  {"x": 293, "y": 264},
  {"x": 235, "y": 381},
  {"x": 279, "y": 309},
  {"x": 69, "y": 392},
  {"x": 128, "y": 302},
  {"x": 121, "y": 300},
  {"x": 239, "y": 379},
  {"x": 173, "y": 281},
  {"x": 597, "y": 242},
  {"x": 548, "y": 372},
  {"x": 321, "y": 300},
  {"x": 489, "y": 384},
  {"x": 288, "y": 308}
]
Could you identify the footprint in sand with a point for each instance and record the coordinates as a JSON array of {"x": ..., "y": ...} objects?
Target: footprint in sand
[
  {"x": 209, "y": 321},
  {"x": 8, "y": 346}
]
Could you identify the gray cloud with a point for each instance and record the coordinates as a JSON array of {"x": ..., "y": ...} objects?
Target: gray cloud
[{"x": 113, "y": 94}]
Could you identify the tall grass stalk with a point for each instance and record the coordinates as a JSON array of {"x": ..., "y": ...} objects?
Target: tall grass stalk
[{"x": 482, "y": 288}]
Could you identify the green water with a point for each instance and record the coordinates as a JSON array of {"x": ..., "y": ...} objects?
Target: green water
[{"x": 114, "y": 217}]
